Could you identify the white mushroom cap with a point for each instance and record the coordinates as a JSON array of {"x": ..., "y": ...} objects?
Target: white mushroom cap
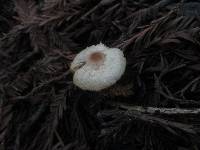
[{"x": 98, "y": 67}]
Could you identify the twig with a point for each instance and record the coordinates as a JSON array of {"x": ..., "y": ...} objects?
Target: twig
[
  {"x": 59, "y": 138},
  {"x": 24, "y": 59},
  {"x": 152, "y": 119},
  {"x": 181, "y": 101},
  {"x": 189, "y": 84},
  {"x": 168, "y": 111},
  {"x": 18, "y": 64},
  {"x": 135, "y": 115},
  {"x": 41, "y": 86},
  {"x": 83, "y": 17}
]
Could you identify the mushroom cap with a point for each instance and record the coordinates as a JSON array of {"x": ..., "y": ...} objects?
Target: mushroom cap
[{"x": 98, "y": 67}]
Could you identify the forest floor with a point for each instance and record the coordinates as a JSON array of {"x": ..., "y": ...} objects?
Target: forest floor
[{"x": 154, "y": 106}]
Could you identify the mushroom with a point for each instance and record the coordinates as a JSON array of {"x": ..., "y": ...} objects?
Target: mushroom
[{"x": 98, "y": 67}]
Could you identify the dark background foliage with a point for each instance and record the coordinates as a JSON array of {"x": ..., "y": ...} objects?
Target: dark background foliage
[{"x": 41, "y": 109}]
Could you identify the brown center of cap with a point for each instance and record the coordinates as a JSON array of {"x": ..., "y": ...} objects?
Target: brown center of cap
[{"x": 96, "y": 57}]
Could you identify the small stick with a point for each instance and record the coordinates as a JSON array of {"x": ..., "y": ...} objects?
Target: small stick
[
  {"x": 83, "y": 17},
  {"x": 41, "y": 86},
  {"x": 167, "y": 111}
]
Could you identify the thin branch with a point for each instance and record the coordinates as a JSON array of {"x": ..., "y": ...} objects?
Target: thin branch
[
  {"x": 41, "y": 86},
  {"x": 167, "y": 111},
  {"x": 181, "y": 101},
  {"x": 132, "y": 115},
  {"x": 152, "y": 119},
  {"x": 189, "y": 84},
  {"x": 83, "y": 17},
  {"x": 59, "y": 138},
  {"x": 24, "y": 59}
]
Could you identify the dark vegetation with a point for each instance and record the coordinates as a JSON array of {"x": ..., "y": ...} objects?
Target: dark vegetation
[{"x": 41, "y": 109}]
